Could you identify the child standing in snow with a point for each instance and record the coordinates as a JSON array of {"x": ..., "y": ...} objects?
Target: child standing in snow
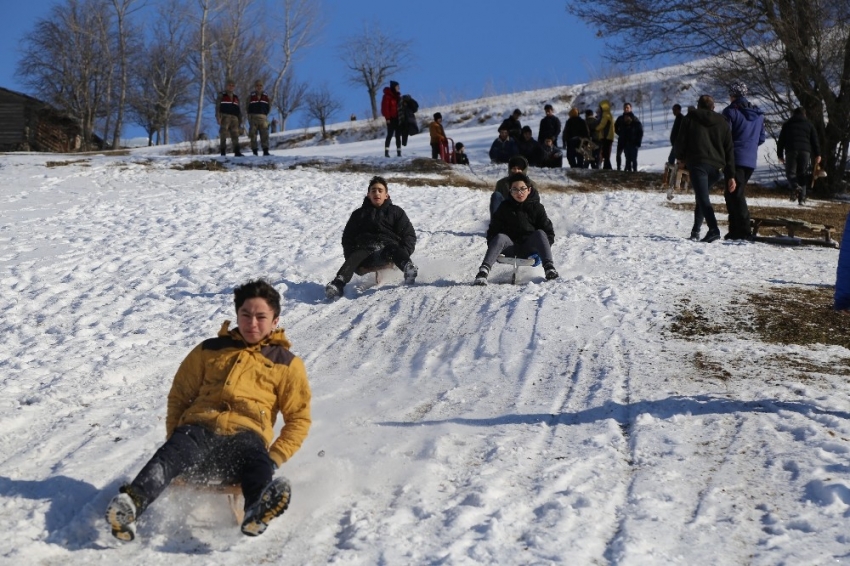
[
  {"x": 377, "y": 233},
  {"x": 222, "y": 409},
  {"x": 519, "y": 228}
]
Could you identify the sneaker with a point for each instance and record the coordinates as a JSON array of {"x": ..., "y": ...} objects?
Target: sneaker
[
  {"x": 238, "y": 154},
  {"x": 483, "y": 272},
  {"x": 694, "y": 236},
  {"x": 410, "y": 273},
  {"x": 550, "y": 272},
  {"x": 333, "y": 290},
  {"x": 711, "y": 237},
  {"x": 272, "y": 503},
  {"x": 121, "y": 516}
]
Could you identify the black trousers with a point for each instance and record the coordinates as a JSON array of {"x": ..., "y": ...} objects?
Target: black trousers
[
  {"x": 369, "y": 258},
  {"x": 736, "y": 205},
  {"x": 202, "y": 455},
  {"x": 393, "y": 129}
]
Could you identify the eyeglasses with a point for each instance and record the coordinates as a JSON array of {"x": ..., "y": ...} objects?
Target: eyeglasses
[{"x": 518, "y": 190}]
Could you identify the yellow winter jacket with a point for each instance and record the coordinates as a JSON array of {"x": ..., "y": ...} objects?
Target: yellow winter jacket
[
  {"x": 605, "y": 128},
  {"x": 227, "y": 386}
]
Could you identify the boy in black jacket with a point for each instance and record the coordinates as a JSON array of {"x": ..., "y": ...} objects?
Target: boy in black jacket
[
  {"x": 377, "y": 233},
  {"x": 519, "y": 228}
]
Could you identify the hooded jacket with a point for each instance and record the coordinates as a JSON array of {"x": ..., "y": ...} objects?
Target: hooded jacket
[
  {"x": 798, "y": 134},
  {"x": 605, "y": 127},
  {"x": 518, "y": 220},
  {"x": 228, "y": 386},
  {"x": 371, "y": 227},
  {"x": 747, "y": 123},
  {"x": 705, "y": 137}
]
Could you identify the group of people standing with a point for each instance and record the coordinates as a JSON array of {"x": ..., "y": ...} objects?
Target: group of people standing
[
  {"x": 588, "y": 140},
  {"x": 228, "y": 116}
]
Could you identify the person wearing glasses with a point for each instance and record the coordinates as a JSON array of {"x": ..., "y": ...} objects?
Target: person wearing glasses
[
  {"x": 502, "y": 192},
  {"x": 519, "y": 228}
]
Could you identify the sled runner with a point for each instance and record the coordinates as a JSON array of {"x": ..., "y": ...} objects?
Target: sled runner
[
  {"x": 675, "y": 178},
  {"x": 518, "y": 262},
  {"x": 231, "y": 490}
]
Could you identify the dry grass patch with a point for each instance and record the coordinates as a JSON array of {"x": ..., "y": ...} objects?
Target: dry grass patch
[
  {"x": 200, "y": 165},
  {"x": 80, "y": 162}
]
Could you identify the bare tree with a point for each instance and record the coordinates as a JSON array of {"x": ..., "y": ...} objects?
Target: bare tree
[
  {"x": 288, "y": 97},
  {"x": 238, "y": 48},
  {"x": 792, "y": 52},
  {"x": 124, "y": 35},
  {"x": 371, "y": 56},
  {"x": 200, "y": 55},
  {"x": 321, "y": 106},
  {"x": 62, "y": 61},
  {"x": 297, "y": 25},
  {"x": 161, "y": 80}
]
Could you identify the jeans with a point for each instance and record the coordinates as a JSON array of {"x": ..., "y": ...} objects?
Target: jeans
[
  {"x": 204, "y": 456},
  {"x": 703, "y": 176},
  {"x": 736, "y": 205},
  {"x": 536, "y": 243}
]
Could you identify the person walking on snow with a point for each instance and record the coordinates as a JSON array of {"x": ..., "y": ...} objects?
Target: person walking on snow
[
  {"x": 747, "y": 124},
  {"x": 797, "y": 146}
]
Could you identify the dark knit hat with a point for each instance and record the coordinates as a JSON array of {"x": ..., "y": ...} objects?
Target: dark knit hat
[
  {"x": 517, "y": 112},
  {"x": 438, "y": 116},
  {"x": 737, "y": 89},
  {"x": 459, "y": 145},
  {"x": 518, "y": 161},
  {"x": 393, "y": 84}
]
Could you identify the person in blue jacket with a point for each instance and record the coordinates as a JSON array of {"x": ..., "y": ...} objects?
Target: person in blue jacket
[
  {"x": 747, "y": 124},
  {"x": 842, "y": 275},
  {"x": 504, "y": 147}
]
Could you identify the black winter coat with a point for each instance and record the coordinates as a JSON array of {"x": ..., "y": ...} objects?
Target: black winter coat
[
  {"x": 531, "y": 150},
  {"x": 550, "y": 127},
  {"x": 514, "y": 127},
  {"x": 374, "y": 228},
  {"x": 576, "y": 127},
  {"x": 518, "y": 220},
  {"x": 798, "y": 134},
  {"x": 407, "y": 115},
  {"x": 705, "y": 137}
]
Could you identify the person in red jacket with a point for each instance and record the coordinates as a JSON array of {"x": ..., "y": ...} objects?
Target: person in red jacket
[{"x": 389, "y": 110}]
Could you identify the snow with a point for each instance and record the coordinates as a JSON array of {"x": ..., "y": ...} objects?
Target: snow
[{"x": 540, "y": 423}]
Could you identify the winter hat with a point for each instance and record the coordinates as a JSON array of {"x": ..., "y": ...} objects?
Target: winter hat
[
  {"x": 518, "y": 161},
  {"x": 737, "y": 89},
  {"x": 438, "y": 116},
  {"x": 393, "y": 84},
  {"x": 517, "y": 112},
  {"x": 526, "y": 129},
  {"x": 573, "y": 112},
  {"x": 459, "y": 145}
]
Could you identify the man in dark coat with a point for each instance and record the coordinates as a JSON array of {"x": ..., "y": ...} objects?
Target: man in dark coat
[
  {"x": 747, "y": 123},
  {"x": 705, "y": 146},
  {"x": 574, "y": 131},
  {"x": 550, "y": 126},
  {"x": 631, "y": 137},
  {"x": 503, "y": 148},
  {"x": 618, "y": 126},
  {"x": 530, "y": 148},
  {"x": 674, "y": 133},
  {"x": 513, "y": 125},
  {"x": 376, "y": 234},
  {"x": 798, "y": 144},
  {"x": 407, "y": 118}
]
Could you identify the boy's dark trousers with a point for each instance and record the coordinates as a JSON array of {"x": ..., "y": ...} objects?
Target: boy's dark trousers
[
  {"x": 203, "y": 455},
  {"x": 736, "y": 205},
  {"x": 372, "y": 258}
]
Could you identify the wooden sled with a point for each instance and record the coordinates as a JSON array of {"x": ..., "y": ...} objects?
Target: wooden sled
[
  {"x": 675, "y": 178},
  {"x": 376, "y": 269},
  {"x": 517, "y": 262},
  {"x": 232, "y": 491},
  {"x": 791, "y": 227}
]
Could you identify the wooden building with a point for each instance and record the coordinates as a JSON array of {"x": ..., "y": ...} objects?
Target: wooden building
[{"x": 28, "y": 124}]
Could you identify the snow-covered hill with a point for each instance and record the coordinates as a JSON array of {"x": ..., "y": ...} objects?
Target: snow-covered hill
[{"x": 540, "y": 423}]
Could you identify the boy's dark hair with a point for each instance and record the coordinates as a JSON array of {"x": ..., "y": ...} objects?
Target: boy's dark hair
[
  {"x": 677, "y": 107},
  {"x": 438, "y": 116},
  {"x": 526, "y": 129},
  {"x": 257, "y": 289},
  {"x": 705, "y": 101},
  {"x": 800, "y": 111},
  {"x": 378, "y": 179},
  {"x": 548, "y": 107},
  {"x": 459, "y": 145},
  {"x": 519, "y": 177}
]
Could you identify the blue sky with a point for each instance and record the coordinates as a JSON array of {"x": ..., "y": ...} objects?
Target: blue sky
[{"x": 462, "y": 49}]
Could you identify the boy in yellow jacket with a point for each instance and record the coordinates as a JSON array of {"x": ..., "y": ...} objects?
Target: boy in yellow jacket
[{"x": 222, "y": 408}]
